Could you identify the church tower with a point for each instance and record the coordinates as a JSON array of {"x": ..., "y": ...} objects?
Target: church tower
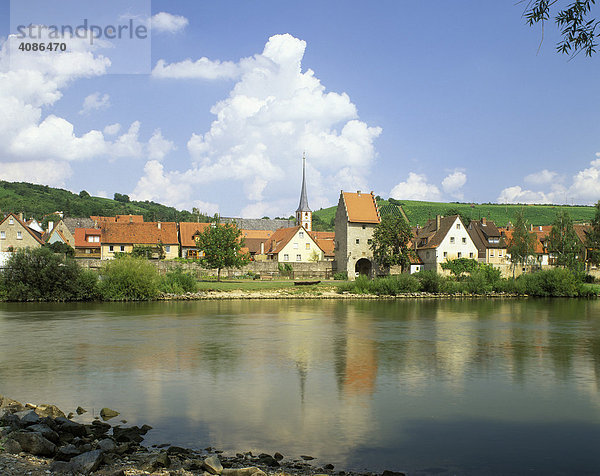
[{"x": 304, "y": 214}]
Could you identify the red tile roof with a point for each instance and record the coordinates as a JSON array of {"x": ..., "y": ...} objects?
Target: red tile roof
[
  {"x": 187, "y": 230},
  {"x": 361, "y": 207},
  {"x": 148, "y": 233},
  {"x": 81, "y": 235}
]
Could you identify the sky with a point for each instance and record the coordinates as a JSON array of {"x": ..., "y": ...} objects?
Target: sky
[{"x": 439, "y": 100}]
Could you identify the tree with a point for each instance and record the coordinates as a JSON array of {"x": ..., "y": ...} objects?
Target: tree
[
  {"x": 466, "y": 219},
  {"x": 522, "y": 243},
  {"x": 460, "y": 266},
  {"x": 563, "y": 241},
  {"x": 84, "y": 194},
  {"x": 579, "y": 30},
  {"x": 592, "y": 238},
  {"x": 222, "y": 246},
  {"x": 121, "y": 198},
  {"x": 391, "y": 242}
]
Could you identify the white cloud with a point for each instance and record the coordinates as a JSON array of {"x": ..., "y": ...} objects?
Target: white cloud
[
  {"x": 416, "y": 188},
  {"x": 541, "y": 178},
  {"x": 112, "y": 129},
  {"x": 166, "y": 22},
  {"x": 50, "y": 172},
  {"x": 95, "y": 102},
  {"x": 158, "y": 146},
  {"x": 274, "y": 112},
  {"x": 584, "y": 188},
  {"x": 453, "y": 183},
  {"x": 199, "y": 69}
]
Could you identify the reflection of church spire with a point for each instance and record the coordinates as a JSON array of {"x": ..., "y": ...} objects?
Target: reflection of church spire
[
  {"x": 303, "y": 373},
  {"x": 304, "y": 213}
]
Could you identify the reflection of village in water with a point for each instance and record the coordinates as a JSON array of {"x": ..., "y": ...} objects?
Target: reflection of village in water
[{"x": 306, "y": 377}]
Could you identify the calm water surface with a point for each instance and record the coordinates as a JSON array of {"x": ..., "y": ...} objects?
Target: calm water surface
[{"x": 440, "y": 387}]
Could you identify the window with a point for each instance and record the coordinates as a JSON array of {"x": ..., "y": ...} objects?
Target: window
[
  {"x": 364, "y": 227},
  {"x": 286, "y": 257},
  {"x": 295, "y": 246},
  {"x": 427, "y": 254},
  {"x": 492, "y": 253},
  {"x": 451, "y": 239},
  {"x": 458, "y": 226},
  {"x": 500, "y": 253},
  {"x": 464, "y": 240},
  {"x": 3, "y": 235},
  {"x": 298, "y": 257},
  {"x": 470, "y": 255},
  {"x": 369, "y": 241},
  {"x": 445, "y": 254},
  {"x": 11, "y": 221},
  {"x": 19, "y": 235},
  {"x": 122, "y": 248},
  {"x": 167, "y": 249},
  {"x": 308, "y": 246},
  {"x": 111, "y": 248},
  {"x": 306, "y": 215},
  {"x": 459, "y": 254},
  {"x": 301, "y": 234},
  {"x": 357, "y": 241}
]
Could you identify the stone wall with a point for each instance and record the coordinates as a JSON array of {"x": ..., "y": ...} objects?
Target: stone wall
[{"x": 266, "y": 269}]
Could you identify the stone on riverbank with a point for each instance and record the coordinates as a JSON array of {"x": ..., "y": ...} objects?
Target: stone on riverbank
[
  {"x": 33, "y": 443},
  {"x": 80, "y": 411},
  {"x": 11, "y": 446},
  {"x": 213, "y": 465},
  {"x": 107, "y": 413},
  {"x": 87, "y": 462},
  {"x": 51, "y": 411}
]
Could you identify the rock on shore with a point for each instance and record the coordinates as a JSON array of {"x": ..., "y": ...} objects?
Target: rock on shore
[{"x": 40, "y": 440}]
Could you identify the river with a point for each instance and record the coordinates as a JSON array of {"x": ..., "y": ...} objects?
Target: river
[{"x": 433, "y": 386}]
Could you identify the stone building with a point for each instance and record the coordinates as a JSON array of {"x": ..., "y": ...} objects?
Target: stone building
[
  {"x": 355, "y": 220},
  {"x": 15, "y": 234}
]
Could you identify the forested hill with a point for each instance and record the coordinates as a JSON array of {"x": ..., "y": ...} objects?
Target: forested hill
[{"x": 39, "y": 200}]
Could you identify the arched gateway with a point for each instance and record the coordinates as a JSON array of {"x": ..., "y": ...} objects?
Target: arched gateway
[{"x": 363, "y": 267}]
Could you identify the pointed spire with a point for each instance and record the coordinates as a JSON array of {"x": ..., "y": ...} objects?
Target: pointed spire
[{"x": 303, "y": 207}]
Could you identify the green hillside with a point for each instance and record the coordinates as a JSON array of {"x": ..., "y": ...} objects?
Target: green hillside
[
  {"x": 419, "y": 212},
  {"x": 39, "y": 200}
]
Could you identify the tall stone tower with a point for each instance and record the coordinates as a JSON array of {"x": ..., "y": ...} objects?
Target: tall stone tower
[{"x": 304, "y": 213}]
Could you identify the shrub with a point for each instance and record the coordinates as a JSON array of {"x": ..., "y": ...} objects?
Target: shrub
[
  {"x": 178, "y": 282},
  {"x": 285, "y": 269},
  {"x": 553, "y": 282},
  {"x": 40, "y": 275},
  {"x": 431, "y": 281},
  {"x": 129, "y": 279},
  {"x": 341, "y": 276}
]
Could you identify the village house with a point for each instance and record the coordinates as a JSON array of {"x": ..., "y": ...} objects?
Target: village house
[
  {"x": 257, "y": 243},
  {"x": 293, "y": 245},
  {"x": 123, "y": 237},
  {"x": 326, "y": 241},
  {"x": 15, "y": 234},
  {"x": 355, "y": 220},
  {"x": 59, "y": 233},
  {"x": 444, "y": 239},
  {"x": 188, "y": 232},
  {"x": 491, "y": 246},
  {"x": 87, "y": 243}
]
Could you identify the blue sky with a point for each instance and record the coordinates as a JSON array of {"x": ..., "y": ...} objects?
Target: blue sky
[{"x": 430, "y": 100}]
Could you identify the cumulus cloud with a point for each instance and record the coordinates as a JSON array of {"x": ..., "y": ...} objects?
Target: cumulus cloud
[
  {"x": 202, "y": 68},
  {"x": 584, "y": 188},
  {"x": 416, "y": 188},
  {"x": 274, "y": 112},
  {"x": 112, "y": 129},
  {"x": 541, "y": 178},
  {"x": 453, "y": 183},
  {"x": 51, "y": 172},
  {"x": 158, "y": 146},
  {"x": 169, "y": 23},
  {"x": 95, "y": 102}
]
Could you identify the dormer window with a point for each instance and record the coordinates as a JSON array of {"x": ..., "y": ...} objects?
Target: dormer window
[{"x": 11, "y": 221}]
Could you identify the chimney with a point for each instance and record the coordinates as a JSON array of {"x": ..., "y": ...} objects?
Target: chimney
[
  {"x": 158, "y": 225},
  {"x": 262, "y": 247},
  {"x": 438, "y": 222},
  {"x": 50, "y": 226},
  {"x": 131, "y": 219},
  {"x": 484, "y": 221},
  {"x": 530, "y": 227},
  {"x": 21, "y": 216},
  {"x": 358, "y": 193}
]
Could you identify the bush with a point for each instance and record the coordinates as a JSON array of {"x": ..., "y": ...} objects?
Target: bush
[
  {"x": 178, "y": 282},
  {"x": 557, "y": 282},
  {"x": 341, "y": 276},
  {"x": 285, "y": 270},
  {"x": 388, "y": 286},
  {"x": 129, "y": 279},
  {"x": 40, "y": 275},
  {"x": 431, "y": 281}
]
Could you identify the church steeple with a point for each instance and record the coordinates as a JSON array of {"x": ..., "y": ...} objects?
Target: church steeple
[{"x": 304, "y": 213}]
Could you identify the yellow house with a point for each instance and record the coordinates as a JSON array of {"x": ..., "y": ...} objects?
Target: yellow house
[
  {"x": 123, "y": 237},
  {"x": 293, "y": 244},
  {"x": 15, "y": 234}
]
